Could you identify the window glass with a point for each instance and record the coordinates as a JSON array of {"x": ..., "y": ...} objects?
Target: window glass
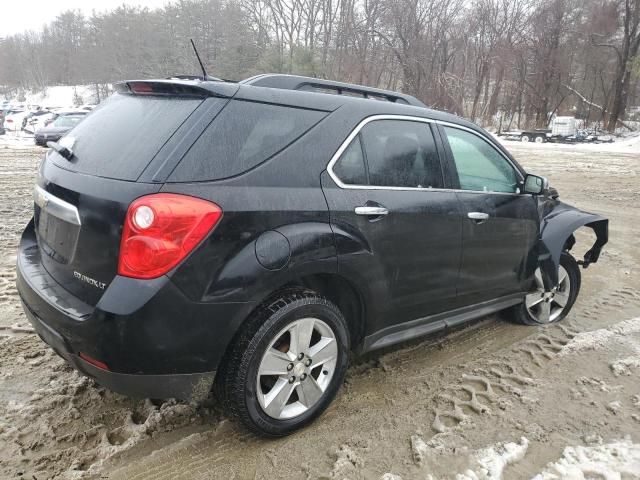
[
  {"x": 350, "y": 167},
  {"x": 120, "y": 137},
  {"x": 401, "y": 153},
  {"x": 67, "y": 121},
  {"x": 480, "y": 166},
  {"x": 349, "y": 93},
  {"x": 242, "y": 136}
]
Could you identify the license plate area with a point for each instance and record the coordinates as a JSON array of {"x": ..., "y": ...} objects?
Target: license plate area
[{"x": 57, "y": 226}]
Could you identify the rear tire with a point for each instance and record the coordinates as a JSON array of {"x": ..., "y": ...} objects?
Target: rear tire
[
  {"x": 287, "y": 365},
  {"x": 525, "y": 138},
  {"x": 529, "y": 311},
  {"x": 539, "y": 139}
]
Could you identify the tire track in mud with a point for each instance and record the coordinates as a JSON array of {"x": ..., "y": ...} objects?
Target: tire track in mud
[
  {"x": 17, "y": 174},
  {"x": 509, "y": 373},
  {"x": 8, "y": 290}
]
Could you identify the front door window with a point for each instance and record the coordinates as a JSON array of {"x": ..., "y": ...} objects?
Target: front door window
[{"x": 480, "y": 166}]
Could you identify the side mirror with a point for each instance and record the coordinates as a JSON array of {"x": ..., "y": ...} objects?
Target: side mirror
[{"x": 535, "y": 184}]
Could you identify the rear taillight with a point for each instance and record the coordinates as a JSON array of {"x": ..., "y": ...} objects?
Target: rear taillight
[{"x": 160, "y": 230}]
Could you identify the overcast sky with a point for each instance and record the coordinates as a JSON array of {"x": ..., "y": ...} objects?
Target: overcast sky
[{"x": 19, "y": 15}]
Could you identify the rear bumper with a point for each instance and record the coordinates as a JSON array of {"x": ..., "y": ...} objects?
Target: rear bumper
[
  {"x": 187, "y": 386},
  {"x": 156, "y": 342}
]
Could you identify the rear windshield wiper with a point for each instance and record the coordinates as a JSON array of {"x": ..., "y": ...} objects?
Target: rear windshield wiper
[{"x": 60, "y": 150}]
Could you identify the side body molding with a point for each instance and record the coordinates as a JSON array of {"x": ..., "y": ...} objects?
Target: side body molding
[{"x": 557, "y": 223}]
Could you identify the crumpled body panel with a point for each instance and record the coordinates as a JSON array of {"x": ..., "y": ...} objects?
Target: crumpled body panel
[{"x": 558, "y": 221}]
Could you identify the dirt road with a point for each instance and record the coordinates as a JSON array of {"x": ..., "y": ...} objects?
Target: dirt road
[{"x": 488, "y": 400}]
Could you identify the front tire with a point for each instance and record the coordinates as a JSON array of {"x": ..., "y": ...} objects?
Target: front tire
[
  {"x": 287, "y": 365},
  {"x": 543, "y": 308}
]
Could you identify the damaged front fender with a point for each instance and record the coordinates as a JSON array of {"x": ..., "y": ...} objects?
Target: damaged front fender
[{"x": 557, "y": 223}]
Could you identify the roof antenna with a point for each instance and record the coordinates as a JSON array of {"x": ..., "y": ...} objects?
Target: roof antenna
[{"x": 204, "y": 72}]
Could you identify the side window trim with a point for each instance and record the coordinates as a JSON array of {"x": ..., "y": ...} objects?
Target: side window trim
[
  {"x": 442, "y": 156},
  {"x": 364, "y": 158},
  {"x": 446, "y": 157},
  {"x": 356, "y": 132},
  {"x": 453, "y": 181}
]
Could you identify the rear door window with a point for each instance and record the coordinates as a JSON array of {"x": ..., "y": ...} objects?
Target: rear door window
[
  {"x": 244, "y": 135},
  {"x": 401, "y": 153},
  {"x": 350, "y": 168},
  {"x": 391, "y": 153}
]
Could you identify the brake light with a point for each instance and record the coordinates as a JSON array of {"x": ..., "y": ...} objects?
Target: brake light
[
  {"x": 160, "y": 230},
  {"x": 140, "y": 87}
]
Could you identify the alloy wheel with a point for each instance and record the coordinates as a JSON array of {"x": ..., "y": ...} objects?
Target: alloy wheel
[
  {"x": 296, "y": 368},
  {"x": 545, "y": 306}
]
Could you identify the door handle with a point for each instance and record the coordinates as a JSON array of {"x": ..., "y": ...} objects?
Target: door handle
[
  {"x": 371, "y": 211},
  {"x": 478, "y": 217}
]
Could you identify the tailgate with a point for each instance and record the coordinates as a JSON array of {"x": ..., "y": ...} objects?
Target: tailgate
[{"x": 78, "y": 223}]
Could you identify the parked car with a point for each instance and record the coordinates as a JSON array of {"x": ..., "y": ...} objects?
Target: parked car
[
  {"x": 56, "y": 130},
  {"x": 13, "y": 120},
  {"x": 55, "y": 113},
  {"x": 256, "y": 233},
  {"x": 34, "y": 120}
]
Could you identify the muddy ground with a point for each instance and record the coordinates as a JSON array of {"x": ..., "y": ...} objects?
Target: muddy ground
[{"x": 489, "y": 400}]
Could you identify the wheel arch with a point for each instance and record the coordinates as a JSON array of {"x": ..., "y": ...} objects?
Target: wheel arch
[
  {"x": 336, "y": 288},
  {"x": 557, "y": 235},
  {"x": 344, "y": 294}
]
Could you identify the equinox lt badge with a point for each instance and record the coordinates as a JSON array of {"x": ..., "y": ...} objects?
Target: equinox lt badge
[{"x": 91, "y": 281}]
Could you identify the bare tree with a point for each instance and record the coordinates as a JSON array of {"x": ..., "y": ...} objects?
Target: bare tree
[
  {"x": 625, "y": 52},
  {"x": 499, "y": 62}
]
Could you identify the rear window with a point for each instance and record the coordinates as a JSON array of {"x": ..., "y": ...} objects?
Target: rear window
[
  {"x": 241, "y": 137},
  {"x": 120, "y": 137},
  {"x": 67, "y": 121}
]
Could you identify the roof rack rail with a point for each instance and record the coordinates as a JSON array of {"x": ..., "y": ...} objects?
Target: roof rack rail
[
  {"x": 296, "y": 82},
  {"x": 195, "y": 77}
]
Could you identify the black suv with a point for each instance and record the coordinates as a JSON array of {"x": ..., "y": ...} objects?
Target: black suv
[{"x": 253, "y": 234}]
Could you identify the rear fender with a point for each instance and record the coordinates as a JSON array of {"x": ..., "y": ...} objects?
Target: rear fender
[
  {"x": 273, "y": 259},
  {"x": 558, "y": 222}
]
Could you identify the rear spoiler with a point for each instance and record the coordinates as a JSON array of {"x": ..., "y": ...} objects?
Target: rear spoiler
[{"x": 177, "y": 88}]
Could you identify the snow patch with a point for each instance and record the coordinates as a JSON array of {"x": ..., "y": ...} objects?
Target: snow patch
[
  {"x": 624, "y": 365},
  {"x": 17, "y": 141},
  {"x": 419, "y": 449},
  {"x": 347, "y": 463},
  {"x": 629, "y": 144},
  {"x": 390, "y": 476},
  {"x": 619, "y": 459},
  {"x": 493, "y": 460},
  {"x": 61, "y": 96},
  {"x": 597, "y": 339}
]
